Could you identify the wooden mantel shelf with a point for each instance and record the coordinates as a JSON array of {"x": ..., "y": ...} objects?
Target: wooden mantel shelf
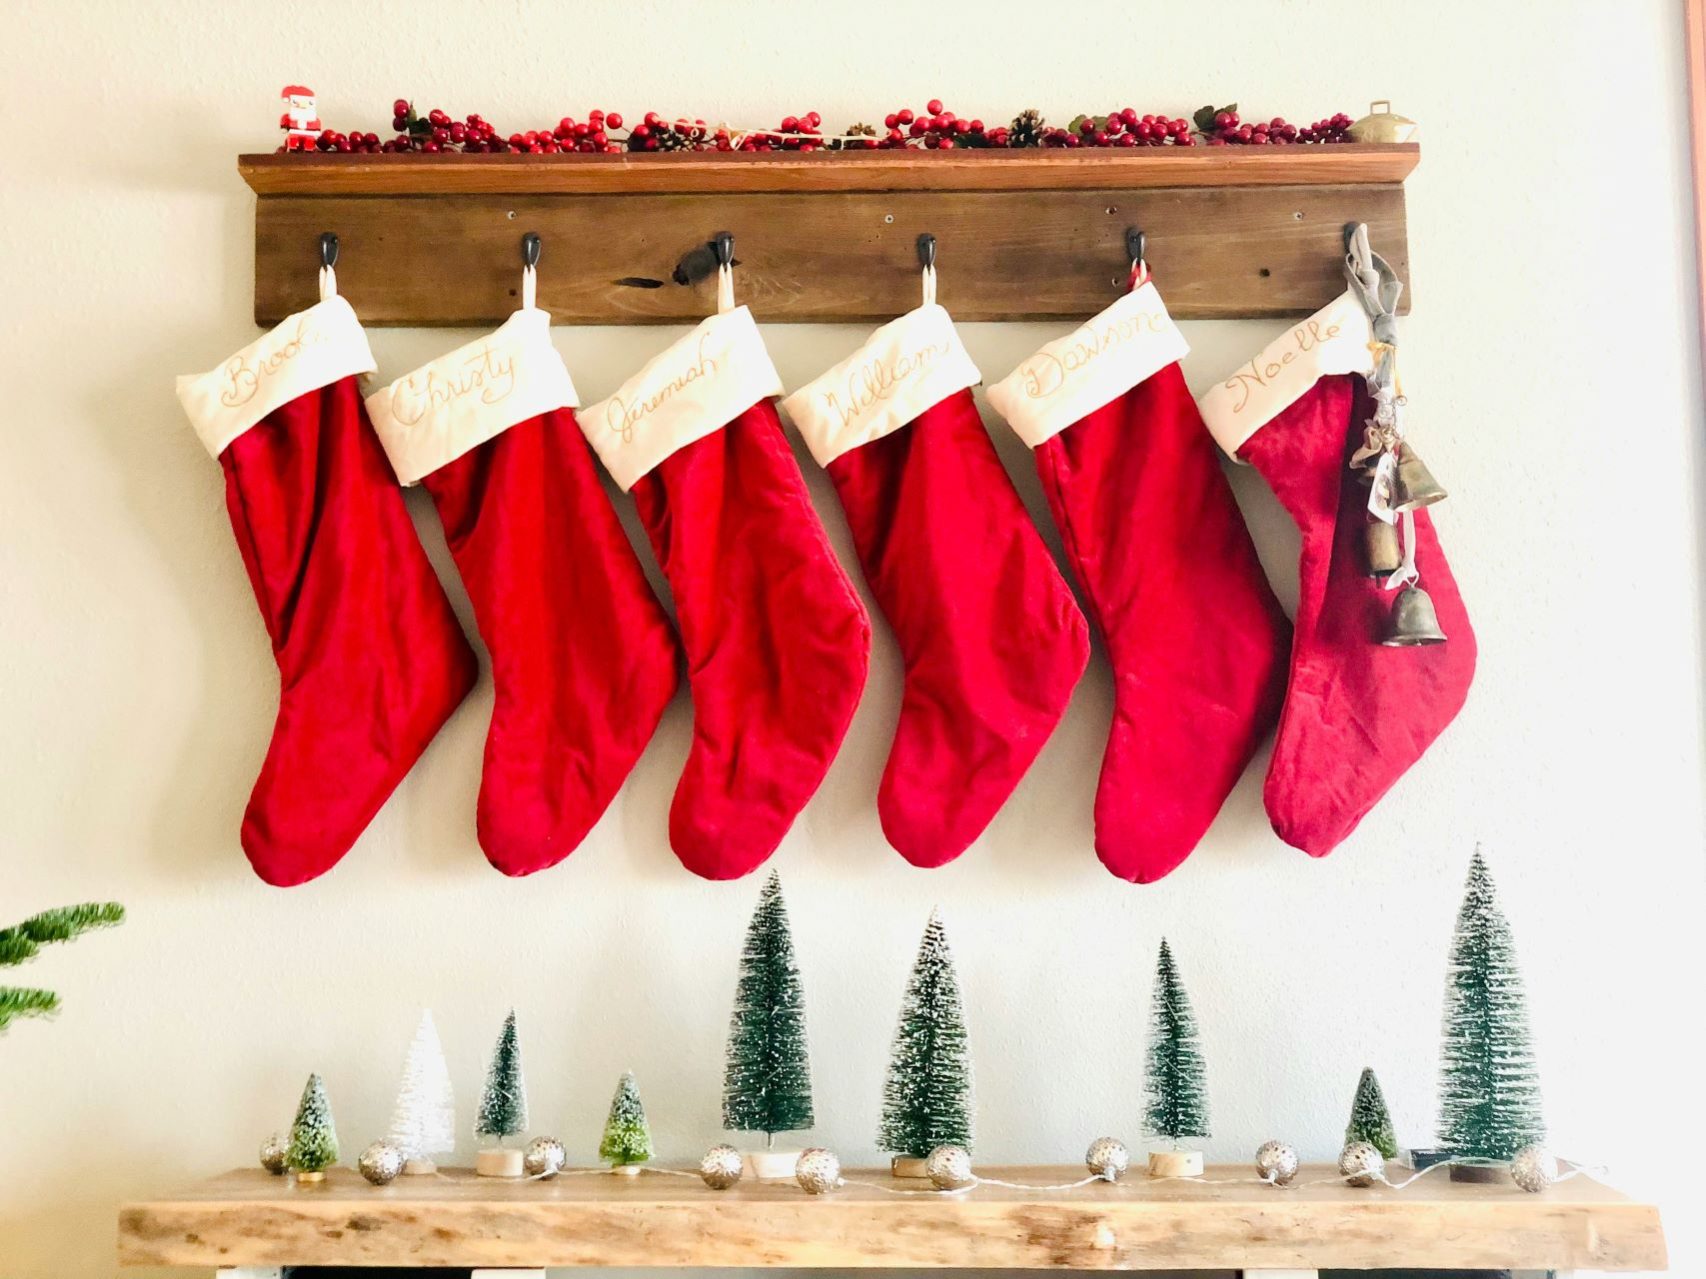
[
  {"x": 248, "y": 1218},
  {"x": 704, "y": 173},
  {"x": 1032, "y": 234}
]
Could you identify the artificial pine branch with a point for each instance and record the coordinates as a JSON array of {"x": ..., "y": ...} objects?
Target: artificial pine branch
[
  {"x": 927, "y": 1096},
  {"x": 627, "y": 1137},
  {"x": 503, "y": 1105},
  {"x": 1370, "y": 1120},
  {"x": 24, "y": 1001},
  {"x": 1177, "y": 1103},
  {"x": 1489, "y": 1087},
  {"x": 767, "y": 1083}
]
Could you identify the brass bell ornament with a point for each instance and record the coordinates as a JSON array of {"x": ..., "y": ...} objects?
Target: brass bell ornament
[
  {"x": 1383, "y": 124},
  {"x": 1414, "y": 622},
  {"x": 1380, "y": 546},
  {"x": 1413, "y": 485}
]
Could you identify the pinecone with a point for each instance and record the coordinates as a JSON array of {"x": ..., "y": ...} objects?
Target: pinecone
[
  {"x": 673, "y": 139},
  {"x": 1026, "y": 129},
  {"x": 854, "y": 131}
]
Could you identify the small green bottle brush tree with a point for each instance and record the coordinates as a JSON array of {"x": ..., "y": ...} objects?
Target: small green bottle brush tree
[
  {"x": 1176, "y": 1104},
  {"x": 313, "y": 1137},
  {"x": 503, "y": 1106},
  {"x": 927, "y": 1096},
  {"x": 1489, "y": 1088},
  {"x": 1370, "y": 1120},
  {"x": 627, "y": 1139},
  {"x": 767, "y": 1081},
  {"x": 23, "y": 942}
]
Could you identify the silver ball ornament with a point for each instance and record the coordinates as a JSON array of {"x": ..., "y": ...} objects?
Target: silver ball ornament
[
  {"x": 1533, "y": 1168},
  {"x": 1360, "y": 1164},
  {"x": 544, "y": 1157},
  {"x": 1107, "y": 1158},
  {"x": 1277, "y": 1162},
  {"x": 949, "y": 1168},
  {"x": 275, "y": 1155},
  {"x": 380, "y": 1163},
  {"x": 818, "y": 1171},
  {"x": 721, "y": 1167}
]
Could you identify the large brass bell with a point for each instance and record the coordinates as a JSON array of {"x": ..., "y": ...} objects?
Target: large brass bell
[
  {"x": 1380, "y": 545},
  {"x": 1413, "y": 485},
  {"x": 1414, "y": 622}
]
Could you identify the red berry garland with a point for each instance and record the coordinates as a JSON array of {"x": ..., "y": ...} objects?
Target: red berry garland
[{"x": 934, "y": 128}]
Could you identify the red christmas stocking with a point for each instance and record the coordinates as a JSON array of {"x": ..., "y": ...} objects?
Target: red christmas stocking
[
  {"x": 371, "y": 660},
  {"x": 1357, "y": 714},
  {"x": 992, "y": 640},
  {"x": 776, "y": 638},
  {"x": 583, "y": 661},
  {"x": 1195, "y": 636}
]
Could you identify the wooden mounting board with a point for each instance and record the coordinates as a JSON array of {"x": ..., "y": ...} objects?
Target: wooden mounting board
[
  {"x": 248, "y": 1218},
  {"x": 1021, "y": 235}
]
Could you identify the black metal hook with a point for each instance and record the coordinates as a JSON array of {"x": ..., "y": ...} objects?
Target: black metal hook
[
  {"x": 328, "y": 249},
  {"x": 1134, "y": 244},
  {"x": 724, "y": 245},
  {"x": 530, "y": 246},
  {"x": 927, "y": 251}
]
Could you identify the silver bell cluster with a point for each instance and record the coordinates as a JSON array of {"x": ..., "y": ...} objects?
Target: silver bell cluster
[
  {"x": 1277, "y": 1162},
  {"x": 949, "y": 1168},
  {"x": 275, "y": 1155},
  {"x": 544, "y": 1157},
  {"x": 1533, "y": 1169},
  {"x": 818, "y": 1171},
  {"x": 380, "y": 1163},
  {"x": 1360, "y": 1164},
  {"x": 1107, "y": 1158},
  {"x": 721, "y": 1167}
]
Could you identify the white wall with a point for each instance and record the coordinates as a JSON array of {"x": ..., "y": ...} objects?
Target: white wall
[{"x": 1552, "y": 364}]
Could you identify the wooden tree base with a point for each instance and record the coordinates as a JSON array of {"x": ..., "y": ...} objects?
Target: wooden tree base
[
  {"x": 309, "y": 1177},
  {"x": 1175, "y": 1163},
  {"x": 908, "y": 1169},
  {"x": 626, "y": 1170},
  {"x": 771, "y": 1165},
  {"x": 419, "y": 1167},
  {"x": 499, "y": 1162}
]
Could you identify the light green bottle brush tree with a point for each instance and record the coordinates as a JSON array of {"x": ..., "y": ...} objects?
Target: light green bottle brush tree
[
  {"x": 22, "y": 942},
  {"x": 627, "y": 1138},
  {"x": 313, "y": 1137}
]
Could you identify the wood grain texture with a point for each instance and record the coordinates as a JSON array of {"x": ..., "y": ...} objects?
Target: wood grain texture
[
  {"x": 248, "y": 1218},
  {"x": 1216, "y": 252},
  {"x": 791, "y": 171}
]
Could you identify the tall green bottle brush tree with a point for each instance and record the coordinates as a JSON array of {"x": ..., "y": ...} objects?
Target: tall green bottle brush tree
[
  {"x": 503, "y": 1106},
  {"x": 1176, "y": 1089},
  {"x": 1489, "y": 1087},
  {"x": 927, "y": 1096},
  {"x": 767, "y": 1081}
]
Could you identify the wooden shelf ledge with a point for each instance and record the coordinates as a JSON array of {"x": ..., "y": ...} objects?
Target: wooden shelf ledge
[{"x": 248, "y": 1218}]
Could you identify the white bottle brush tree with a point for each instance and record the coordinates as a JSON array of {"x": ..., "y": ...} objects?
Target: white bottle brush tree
[
  {"x": 503, "y": 1104},
  {"x": 627, "y": 1137},
  {"x": 423, "y": 1121}
]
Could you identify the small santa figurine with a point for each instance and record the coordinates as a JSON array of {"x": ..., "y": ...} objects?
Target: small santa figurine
[{"x": 301, "y": 120}]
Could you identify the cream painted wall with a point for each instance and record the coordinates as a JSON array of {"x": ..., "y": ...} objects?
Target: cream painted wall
[{"x": 1552, "y": 361}]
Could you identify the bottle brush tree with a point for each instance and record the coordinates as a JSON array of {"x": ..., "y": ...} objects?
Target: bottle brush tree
[
  {"x": 1489, "y": 1088},
  {"x": 927, "y": 1096},
  {"x": 22, "y": 942},
  {"x": 1176, "y": 1104},
  {"x": 313, "y": 1137},
  {"x": 503, "y": 1104},
  {"x": 767, "y": 1082},
  {"x": 423, "y": 1120},
  {"x": 627, "y": 1138},
  {"x": 1370, "y": 1120}
]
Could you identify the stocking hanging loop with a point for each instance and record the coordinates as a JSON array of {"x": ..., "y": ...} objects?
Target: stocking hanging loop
[
  {"x": 530, "y": 249},
  {"x": 1135, "y": 240},
  {"x": 724, "y": 245},
  {"x": 926, "y": 246},
  {"x": 328, "y": 260}
]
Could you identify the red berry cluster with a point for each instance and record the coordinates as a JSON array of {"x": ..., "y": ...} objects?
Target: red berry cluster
[
  {"x": 936, "y": 128},
  {"x": 1223, "y": 127},
  {"x": 1122, "y": 128},
  {"x": 359, "y": 143}
]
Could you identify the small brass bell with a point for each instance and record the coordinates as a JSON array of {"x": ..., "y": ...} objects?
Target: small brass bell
[
  {"x": 1414, "y": 622},
  {"x": 1380, "y": 543},
  {"x": 1413, "y": 485},
  {"x": 1383, "y": 124}
]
